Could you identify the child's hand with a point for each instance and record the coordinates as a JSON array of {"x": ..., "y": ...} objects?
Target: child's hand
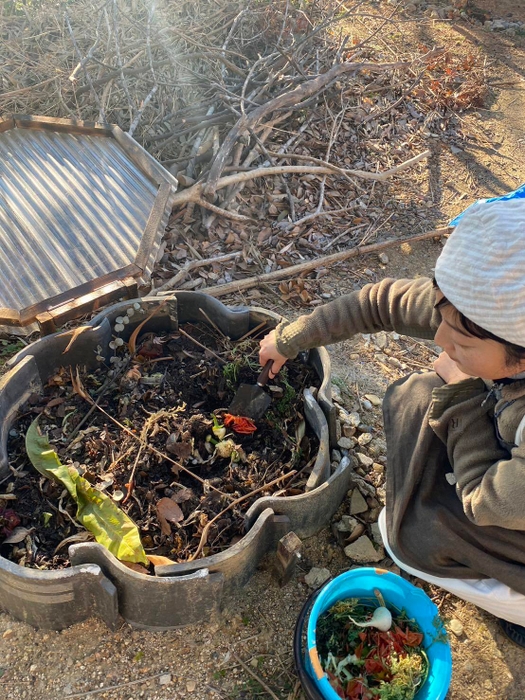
[
  {"x": 269, "y": 351},
  {"x": 448, "y": 369}
]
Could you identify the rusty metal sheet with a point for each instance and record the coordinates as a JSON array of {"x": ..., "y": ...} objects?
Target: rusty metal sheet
[{"x": 73, "y": 207}]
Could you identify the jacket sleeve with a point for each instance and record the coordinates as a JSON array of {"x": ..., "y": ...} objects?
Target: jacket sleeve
[
  {"x": 489, "y": 482},
  {"x": 405, "y": 306}
]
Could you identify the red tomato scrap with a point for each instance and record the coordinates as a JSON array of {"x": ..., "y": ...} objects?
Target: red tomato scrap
[{"x": 240, "y": 424}]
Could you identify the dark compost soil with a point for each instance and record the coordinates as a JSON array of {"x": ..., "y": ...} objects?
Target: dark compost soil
[{"x": 151, "y": 439}]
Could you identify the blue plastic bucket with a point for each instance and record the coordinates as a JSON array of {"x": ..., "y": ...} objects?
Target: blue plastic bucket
[{"x": 398, "y": 595}]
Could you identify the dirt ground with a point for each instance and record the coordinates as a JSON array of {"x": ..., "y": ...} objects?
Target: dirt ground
[{"x": 246, "y": 652}]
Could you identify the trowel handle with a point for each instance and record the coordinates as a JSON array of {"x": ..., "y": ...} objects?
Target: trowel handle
[{"x": 262, "y": 379}]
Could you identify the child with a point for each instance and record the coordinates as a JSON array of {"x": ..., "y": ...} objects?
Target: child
[{"x": 455, "y": 498}]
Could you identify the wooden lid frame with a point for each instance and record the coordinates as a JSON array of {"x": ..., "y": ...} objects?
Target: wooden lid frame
[{"x": 53, "y": 311}]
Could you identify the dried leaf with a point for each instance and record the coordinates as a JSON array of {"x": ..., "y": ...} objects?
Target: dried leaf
[
  {"x": 18, "y": 535},
  {"x": 168, "y": 512},
  {"x": 182, "y": 495},
  {"x": 305, "y": 296},
  {"x": 78, "y": 387},
  {"x": 78, "y": 331},
  {"x": 136, "y": 567},
  {"x": 158, "y": 560},
  {"x": 55, "y": 402},
  {"x": 83, "y": 536},
  {"x": 183, "y": 450}
]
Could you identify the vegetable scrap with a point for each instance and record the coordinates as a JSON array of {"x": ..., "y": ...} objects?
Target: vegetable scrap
[
  {"x": 385, "y": 661},
  {"x": 239, "y": 424},
  {"x": 9, "y": 520}
]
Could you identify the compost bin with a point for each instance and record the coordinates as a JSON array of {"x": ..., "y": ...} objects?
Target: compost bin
[{"x": 97, "y": 583}]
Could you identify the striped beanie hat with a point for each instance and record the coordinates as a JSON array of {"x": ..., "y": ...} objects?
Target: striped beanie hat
[{"x": 481, "y": 269}]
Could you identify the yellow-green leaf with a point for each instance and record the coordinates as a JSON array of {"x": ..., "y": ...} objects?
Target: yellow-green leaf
[{"x": 109, "y": 524}]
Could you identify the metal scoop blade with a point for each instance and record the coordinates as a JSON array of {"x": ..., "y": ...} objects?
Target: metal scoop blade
[{"x": 251, "y": 400}]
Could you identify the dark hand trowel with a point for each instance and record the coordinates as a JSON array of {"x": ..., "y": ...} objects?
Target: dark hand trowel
[{"x": 251, "y": 400}]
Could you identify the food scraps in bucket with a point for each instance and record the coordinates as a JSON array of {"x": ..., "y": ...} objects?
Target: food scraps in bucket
[{"x": 364, "y": 662}]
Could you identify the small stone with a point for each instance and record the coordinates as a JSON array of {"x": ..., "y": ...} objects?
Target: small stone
[
  {"x": 347, "y": 430},
  {"x": 336, "y": 456},
  {"x": 349, "y": 522},
  {"x": 378, "y": 468},
  {"x": 364, "y": 438},
  {"x": 354, "y": 419},
  {"x": 381, "y": 340},
  {"x": 315, "y": 577},
  {"x": 395, "y": 362},
  {"x": 365, "y": 403},
  {"x": 190, "y": 686},
  {"x": 363, "y": 551},
  {"x": 374, "y": 400},
  {"x": 376, "y": 533},
  {"x": 383, "y": 258},
  {"x": 336, "y": 394},
  {"x": 451, "y": 478},
  {"x": 342, "y": 414},
  {"x": 366, "y": 488},
  {"x": 456, "y": 627},
  {"x": 376, "y": 448},
  {"x": 468, "y": 666},
  {"x": 165, "y": 679},
  {"x": 346, "y": 524},
  {"x": 364, "y": 460},
  {"x": 345, "y": 443},
  {"x": 8, "y": 634},
  {"x": 499, "y": 25},
  {"x": 357, "y": 503}
]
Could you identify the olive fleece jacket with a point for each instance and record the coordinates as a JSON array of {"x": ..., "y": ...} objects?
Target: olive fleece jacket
[{"x": 475, "y": 420}]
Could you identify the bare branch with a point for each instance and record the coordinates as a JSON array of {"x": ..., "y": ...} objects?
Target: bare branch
[
  {"x": 301, "y": 268},
  {"x": 285, "y": 101},
  {"x": 194, "y": 193}
]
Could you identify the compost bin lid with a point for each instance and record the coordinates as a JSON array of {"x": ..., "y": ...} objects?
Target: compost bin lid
[{"x": 83, "y": 209}]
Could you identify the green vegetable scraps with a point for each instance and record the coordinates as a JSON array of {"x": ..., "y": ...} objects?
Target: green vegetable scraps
[{"x": 366, "y": 663}]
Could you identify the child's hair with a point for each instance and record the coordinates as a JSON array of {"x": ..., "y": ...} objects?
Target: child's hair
[{"x": 513, "y": 353}]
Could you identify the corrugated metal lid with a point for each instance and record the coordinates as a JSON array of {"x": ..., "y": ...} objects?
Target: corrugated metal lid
[{"x": 79, "y": 209}]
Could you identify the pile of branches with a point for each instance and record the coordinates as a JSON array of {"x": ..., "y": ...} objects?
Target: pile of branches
[{"x": 291, "y": 113}]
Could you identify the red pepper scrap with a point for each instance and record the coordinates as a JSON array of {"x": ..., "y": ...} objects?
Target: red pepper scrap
[
  {"x": 8, "y": 521},
  {"x": 240, "y": 424}
]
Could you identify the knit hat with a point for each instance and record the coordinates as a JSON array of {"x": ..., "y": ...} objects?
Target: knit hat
[{"x": 481, "y": 269}]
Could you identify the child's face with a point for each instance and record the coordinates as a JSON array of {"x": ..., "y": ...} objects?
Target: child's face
[{"x": 477, "y": 357}]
